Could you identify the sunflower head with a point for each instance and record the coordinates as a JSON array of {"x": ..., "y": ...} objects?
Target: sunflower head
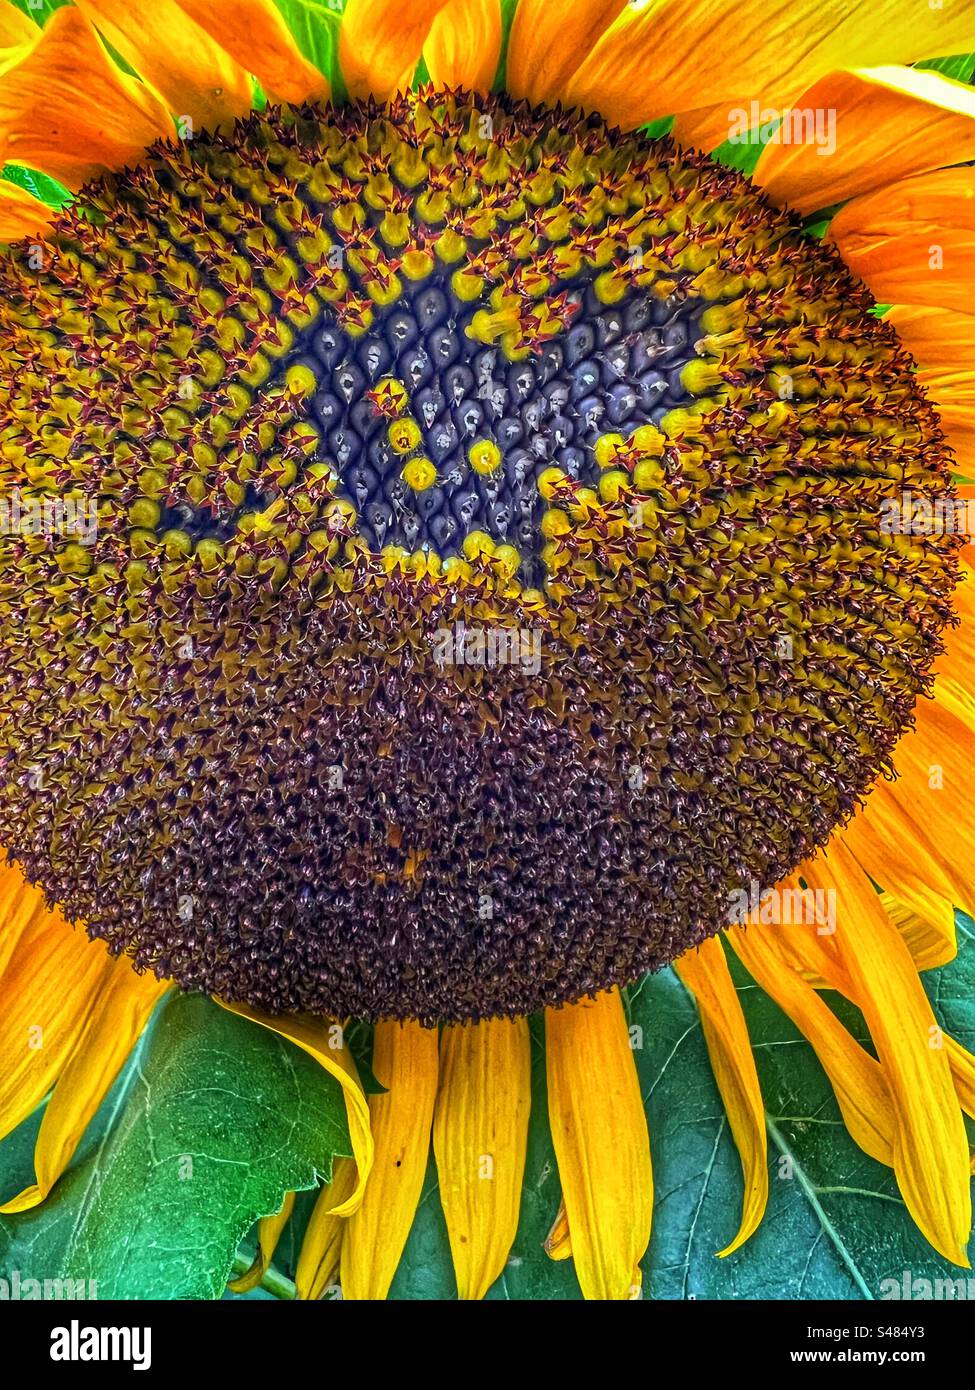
[{"x": 486, "y": 575}]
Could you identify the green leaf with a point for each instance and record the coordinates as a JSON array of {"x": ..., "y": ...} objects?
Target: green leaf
[
  {"x": 744, "y": 153},
  {"x": 314, "y": 24},
  {"x": 39, "y": 10},
  {"x": 41, "y": 185},
  {"x": 960, "y": 67},
  {"x": 219, "y": 1120}
]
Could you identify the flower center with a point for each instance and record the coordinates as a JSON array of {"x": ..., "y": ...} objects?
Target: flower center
[{"x": 443, "y": 556}]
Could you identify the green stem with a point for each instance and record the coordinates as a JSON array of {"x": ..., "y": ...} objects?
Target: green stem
[{"x": 274, "y": 1281}]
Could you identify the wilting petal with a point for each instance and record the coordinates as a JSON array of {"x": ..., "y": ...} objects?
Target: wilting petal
[
  {"x": 890, "y": 123},
  {"x": 930, "y": 1147},
  {"x": 705, "y": 973},
  {"x": 21, "y": 214},
  {"x": 321, "y": 1249},
  {"x": 931, "y": 937},
  {"x": 380, "y": 40},
  {"x": 558, "y": 1242},
  {"x": 480, "y": 1139},
  {"x": 857, "y": 1080},
  {"x": 549, "y": 42},
  {"x": 599, "y": 1130},
  {"x": 118, "y": 1014},
  {"x": 404, "y": 1060},
  {"x": 269, "y": 1230},
  {"x": 192, "y": 73},
  {"x": 317, "y": 1037},
  {"x": 255, "y": 35},
  {"x": 68, "y": 110},
  {"x": 914, "y": 241},
  {"x": 464, "y": 44},
  {"x": 683, "y": 55}
]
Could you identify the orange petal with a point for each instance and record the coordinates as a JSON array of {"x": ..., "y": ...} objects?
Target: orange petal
[
  {"x": 464, "y": 44},
  {"x": 118, "y": 1014},
  {"x": 254, "y": 33},
  {"x": 380, "y": 41},
  {"x": 914, "y": 241},
  {"x": 322, "y": 1039},
  {"x": 942, "y": 342},
  {"x": 548, "y": 43},
  {"x": 705, "y": 973},
  {"x": 599, "y": 1131},
  {"x": 69, "y": 111},
  {"x": 685, "y": 55},
  {"x": 480, "y": 1139},
  {"x": 269, "y": 1230},
  {"x": 193, "y": 74},
  {"x": 558, "y": 1243},
  {"x": 889, "y": 123},
  {"x": 21, "y": 214},
  {"x": 857, "y": 1080},
  {"x": 404, "y": 1060},
  {"x": 930, "y": 1149}
]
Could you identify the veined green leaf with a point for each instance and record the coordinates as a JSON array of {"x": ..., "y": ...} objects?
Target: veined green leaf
[{"x": 218, "y": 1121}]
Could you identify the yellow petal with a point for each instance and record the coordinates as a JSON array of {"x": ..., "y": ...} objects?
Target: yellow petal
[
  {"x": 69, "y": 111},
  {"x": 549, "y": 42},
  {"x": 118, "y": 1014},
  {"x": 404, "y": 1060},
  {"x": 705, "y": 973},
  {"x": 21, "y": 214},
  {"x": 962, "y": 1065},
  {"x": 914, "y": 241},
  {"x": 255, "y": 35},
  {"x": 599, "y": 1131},
  {"x": 321, "y": 1249},
  {"x": 22, "y": 910},
  {"x": 930, "y": 1149},
  {"x": 321, "y": 1038},
  {"x": 888, "y": 123},
  {"x": 47, "y": 993},
  {"x": 15, "y": 27},
  {"x": 480, "y": 1138},
  {"x": 857, "y": 1080},
  {"x": 380, "y": 40},
  {"x": 464, "y": 44},
  {"x": 193, "y": 74},
  {"x": 269, "y": 1230},
  {"x": 670, "y": 56}
]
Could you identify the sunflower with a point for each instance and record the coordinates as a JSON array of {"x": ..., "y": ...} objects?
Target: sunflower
[{"x": 466, "y": 547}]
